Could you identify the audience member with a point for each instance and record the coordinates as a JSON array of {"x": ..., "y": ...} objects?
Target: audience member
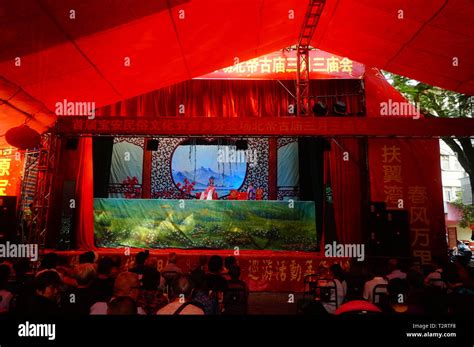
[
  {"x": 5, "y": 295},
  {"x": 215, "y": 281},
  {"x": 201, "y": 292},
  {"x": 228, "y": 262},
  {"x": 237, "y": 293},
  {"x": 44, "y": 299},
  {"x": 126, "y": 284},
  {"x": 377, "y": 279},
  {"x": 122, "y": 305},
  {"x": 87, "y": 257},
  {"x": 396, "y": 272},
  {"x": 140, "y": 260},
  {"x": 171, "y": 266},
  {"x": 78, "y": 300},
  {"x": 435, "y": 277},
  {"x": 103, "y": 285},
  {"x": 336, "y": 281},
  {"x": 151, "y": 297},
  {"x": 181, "y": 303}
]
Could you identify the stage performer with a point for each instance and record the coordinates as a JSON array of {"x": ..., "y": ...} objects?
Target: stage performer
[
  {"x": 251, "y": 192},
  {"x": 210, "y": 192}
]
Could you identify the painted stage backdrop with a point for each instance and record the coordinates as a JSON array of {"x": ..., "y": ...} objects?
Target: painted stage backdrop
[
  {"x": 195, "y": 224},
  {"x": 198, "y": 163}
]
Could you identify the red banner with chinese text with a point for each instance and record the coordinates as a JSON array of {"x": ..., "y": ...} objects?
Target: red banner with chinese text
[
  {"x": 261, "y": 270},
  {"x": 11, "y": 166},
  {"x": 406, "y": 175},
  {"x": 281, "y": 65}
]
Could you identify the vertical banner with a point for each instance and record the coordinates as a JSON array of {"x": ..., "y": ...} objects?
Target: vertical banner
[
  {"x": 406, "y": 175},
  {"x": 11, "y": 165}
]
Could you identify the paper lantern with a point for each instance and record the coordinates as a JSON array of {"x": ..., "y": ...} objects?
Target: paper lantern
[{"x": 23, "y": 137}]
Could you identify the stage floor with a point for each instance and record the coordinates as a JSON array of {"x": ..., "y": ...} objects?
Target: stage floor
[{"x": 270, "y": 271}]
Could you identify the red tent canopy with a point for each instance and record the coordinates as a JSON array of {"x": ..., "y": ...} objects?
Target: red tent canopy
[{"x": 79, "y": 49}]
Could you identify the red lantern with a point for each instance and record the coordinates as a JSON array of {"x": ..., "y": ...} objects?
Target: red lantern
[{"x": 23, "y": 137}]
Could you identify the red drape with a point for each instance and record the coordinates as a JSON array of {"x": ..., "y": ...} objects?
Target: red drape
[
  {"x": 85, "y": 195},
  {"x": 347, "y": 187},
  {"x": 233, "y": 98},
  {"x": 74, "y": 166}
]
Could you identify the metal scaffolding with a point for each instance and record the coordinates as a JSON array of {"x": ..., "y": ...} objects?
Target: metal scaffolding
[
  {"x": 311, "y": 19},
  {"x": 44, "y": 167}
]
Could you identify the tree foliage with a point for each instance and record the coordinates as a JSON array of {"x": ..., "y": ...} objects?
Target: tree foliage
[{"x": 438, "y": 102}]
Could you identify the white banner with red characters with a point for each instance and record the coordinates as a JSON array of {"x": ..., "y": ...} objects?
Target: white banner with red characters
[{"x": 282, "y": 65}]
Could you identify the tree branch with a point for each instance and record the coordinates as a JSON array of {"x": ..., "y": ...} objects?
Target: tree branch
[{"x": 456, "y": 148}]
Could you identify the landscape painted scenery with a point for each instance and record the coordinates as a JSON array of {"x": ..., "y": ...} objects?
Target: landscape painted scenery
[
  {"x": 217, "y": 224},
  {"x": 199, "y": 163}
]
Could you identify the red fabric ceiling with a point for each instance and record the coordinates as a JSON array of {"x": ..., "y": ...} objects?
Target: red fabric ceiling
[
  {"x": 82, "y": 59},
  {"x": 422, "y": 45}
]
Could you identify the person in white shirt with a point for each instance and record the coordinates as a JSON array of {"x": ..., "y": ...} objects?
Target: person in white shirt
[
  {"x": 396, "y": 271},
  {"x": 369, "y": 286},
  {"x": 126, "y": 284},
  {"x": 435, "y": 277},
  {"x": 181, "y": 294},
  {"x": 335, "y": 278}
]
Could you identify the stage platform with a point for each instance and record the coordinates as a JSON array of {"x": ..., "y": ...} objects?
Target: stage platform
[{"x": 271, "y": 271}]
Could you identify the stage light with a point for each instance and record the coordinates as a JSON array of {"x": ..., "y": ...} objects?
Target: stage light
[
  {"x": 340, "y": 108},
  {"x": 152, "y": 145},
  {"x": 320, "y": 109},
  {"x": 241, "y": 145}
]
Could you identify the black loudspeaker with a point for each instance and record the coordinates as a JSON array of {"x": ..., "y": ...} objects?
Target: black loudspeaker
[
  {"x": 389, "y": 232},
  {"x": 241, "y": 145},
  {"x": 71, "y": 143},
  {"x": 7, "y": 217},
  {"x": 68, "y": 208},
  {"x": 378, "y": 207},
  {"x": 398, "y": 233},
  {"x": 152, "y": 145}
]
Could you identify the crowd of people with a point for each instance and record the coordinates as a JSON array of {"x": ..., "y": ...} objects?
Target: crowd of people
[
  {"x": 101, "y": 286},
  {"x": 393, "y": 287}
]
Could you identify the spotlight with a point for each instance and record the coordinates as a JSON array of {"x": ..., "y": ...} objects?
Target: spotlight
[
  {"x": 241, "y": 145},
  {"x": 340, "y": 108},
  {"x": 320, "y": 109}
]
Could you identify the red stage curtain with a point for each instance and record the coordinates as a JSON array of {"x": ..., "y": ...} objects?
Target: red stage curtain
[
  {"x": 85, "y": 195},
  {"x": 233, "y": 98},
  {"x": 346, "y": 178}
]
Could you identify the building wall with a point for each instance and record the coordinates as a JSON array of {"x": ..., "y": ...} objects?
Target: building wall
[{"x": 451, "y": 174}]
